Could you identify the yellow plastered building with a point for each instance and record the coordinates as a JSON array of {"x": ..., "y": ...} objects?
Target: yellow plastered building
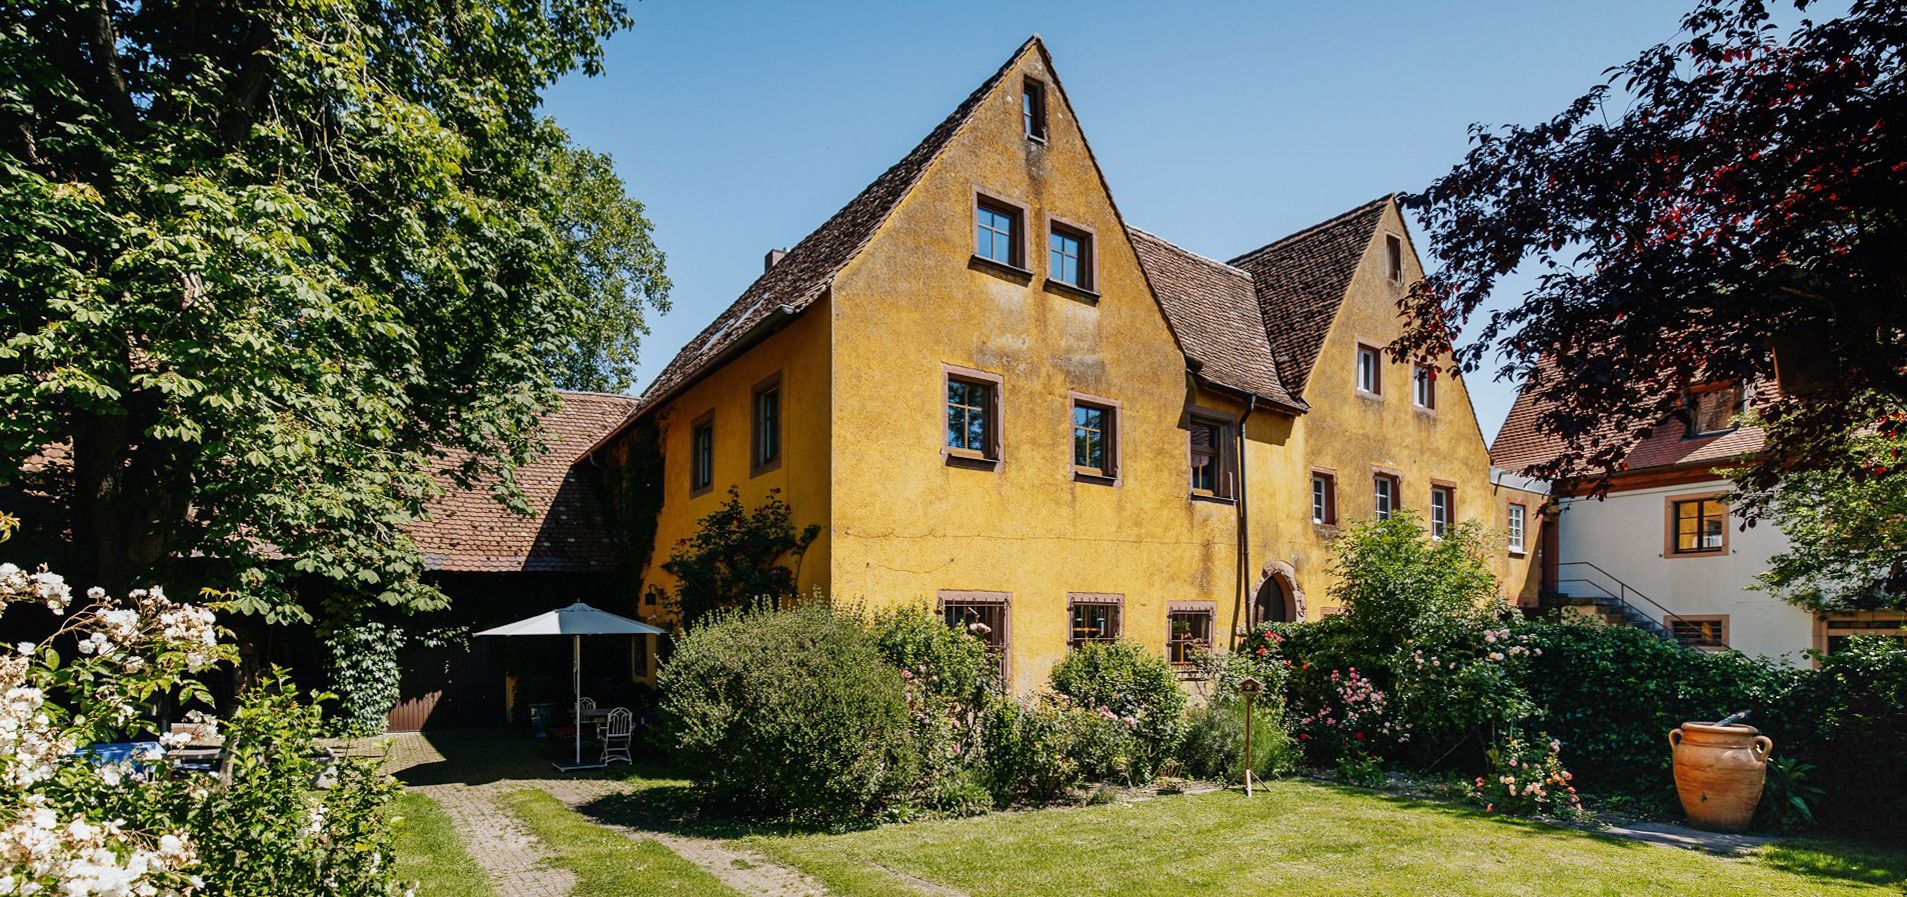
[{"x": 997, "y": 399}]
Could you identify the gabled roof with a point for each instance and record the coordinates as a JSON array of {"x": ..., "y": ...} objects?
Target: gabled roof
[
  {"x": 1301, "y": 281},
  {"x": 1214, "y": 310},
  {"x": 805, "y": 273},
  {"x": 1523, "y": 442},
  {"x": 468, "y": 530}
]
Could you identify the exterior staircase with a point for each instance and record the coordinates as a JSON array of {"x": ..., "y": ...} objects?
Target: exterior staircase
[{"x": 1583, "y": 585}]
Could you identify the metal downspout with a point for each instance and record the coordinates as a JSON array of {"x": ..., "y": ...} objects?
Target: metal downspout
[{"x": 1242, "y": 601}]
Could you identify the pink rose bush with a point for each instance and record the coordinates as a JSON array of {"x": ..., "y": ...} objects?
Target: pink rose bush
[{"x": 1527, "y": 777}]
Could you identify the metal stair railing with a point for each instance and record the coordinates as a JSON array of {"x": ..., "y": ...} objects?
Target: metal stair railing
[{"x": 1619, "y": 600}]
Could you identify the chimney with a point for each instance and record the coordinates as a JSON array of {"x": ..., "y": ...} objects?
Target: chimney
[{"x": 772, "y": 259}]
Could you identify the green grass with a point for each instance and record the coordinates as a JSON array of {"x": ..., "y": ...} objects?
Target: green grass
[
  {"x": 1302, "y": 838},
  {"x": 430, "y": 853},
  {"x": 609, "y": 863}
]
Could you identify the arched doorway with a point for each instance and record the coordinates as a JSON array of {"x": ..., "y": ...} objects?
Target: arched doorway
[
  {"x": 1278, "y": 599},
  {"x": 1271, "y": 605}
]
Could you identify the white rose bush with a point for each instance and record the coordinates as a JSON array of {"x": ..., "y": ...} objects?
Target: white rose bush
[{"x": 78, "y": 822}]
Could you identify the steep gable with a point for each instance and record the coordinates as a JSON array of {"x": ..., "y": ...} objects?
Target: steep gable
[
  {"x": 1300, "y": 282},
  {"x": 801, "y": 276},
  {"x": 1213, "y": 308}
]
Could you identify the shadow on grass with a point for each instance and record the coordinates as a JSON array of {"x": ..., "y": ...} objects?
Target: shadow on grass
[
  {"x": 681, "y": 809},
  {"x": 1842, "y": 860},
  {"x": 1819, "y": 857}
]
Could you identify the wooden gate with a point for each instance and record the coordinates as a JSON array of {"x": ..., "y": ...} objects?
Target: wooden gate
[{"x": 449, "y": 688}]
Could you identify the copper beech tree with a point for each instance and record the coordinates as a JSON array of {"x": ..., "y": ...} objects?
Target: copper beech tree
[{"x": 1725, "y": 207}]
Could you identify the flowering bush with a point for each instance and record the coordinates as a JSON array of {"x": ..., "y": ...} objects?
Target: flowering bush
[
  {"x": 75, "y": 820},
  {"x": 1466, "y": 687},
  {"x": 1353, "y": 726},
  {"x": 1041, "y": 751},
  {"x": 1127, "y": 683},
  {"x": 1527, "y": 777}
]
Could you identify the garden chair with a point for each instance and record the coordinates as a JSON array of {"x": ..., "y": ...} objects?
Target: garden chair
[{"x": 618, "y": 730}]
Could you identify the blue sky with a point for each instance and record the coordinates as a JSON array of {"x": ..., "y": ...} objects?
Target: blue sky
[{"x": 1221, "y": 126}]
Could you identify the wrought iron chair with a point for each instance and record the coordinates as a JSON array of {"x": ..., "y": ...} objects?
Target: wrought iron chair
[{"x": 617, "y": 732}]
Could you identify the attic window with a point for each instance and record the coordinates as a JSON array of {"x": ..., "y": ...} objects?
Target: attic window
[
  {"x": 1370, "y": 376},
  {"x": 1070, "y": 256},
  {"x": 1712, "y": 408},
  {"x": 1033, "y": 109},
  {"x": 997, "y": 234},
  {"x": 1394, "y": 258},
  {"x": 1423, "y": 388}
]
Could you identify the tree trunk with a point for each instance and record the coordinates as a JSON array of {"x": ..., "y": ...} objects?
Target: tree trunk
[{"x": 119, "y": 509}]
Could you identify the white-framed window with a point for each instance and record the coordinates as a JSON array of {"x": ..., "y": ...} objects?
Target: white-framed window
[
  {"x": 1394, "y": 258},
  {"x": 1442, "y": 506},
  {"x": 1423, "y": 387},
  {"x": 1384, "y": 493},
  {"x": 1517, "y": 521},
  {"x": 1370, "y": 376},
  {"x": 1324, "y": 499}
]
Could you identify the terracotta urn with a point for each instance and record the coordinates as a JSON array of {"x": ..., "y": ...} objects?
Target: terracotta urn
[{"x": 1719, "y": 771}]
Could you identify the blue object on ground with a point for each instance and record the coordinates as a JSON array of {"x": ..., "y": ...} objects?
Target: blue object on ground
[{"x": 540, "y": 717}]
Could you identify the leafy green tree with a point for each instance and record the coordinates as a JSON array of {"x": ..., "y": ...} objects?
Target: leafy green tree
[
  {"x": 735, "y": 558},
  {"x": 1396, "y": 583},
  {"x": 266, "y": 266},
  {"x": 1847, "y": 531}
]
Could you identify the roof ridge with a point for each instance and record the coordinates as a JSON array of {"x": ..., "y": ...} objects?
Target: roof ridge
[
  {"x": 1197, "y": 255},
  {"x": 1307, "y": 231},
  {"x": 591, "y": 393},
  {"x": 811, "y": 264}
]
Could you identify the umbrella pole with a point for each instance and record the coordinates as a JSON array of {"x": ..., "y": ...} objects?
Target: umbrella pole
[{"x": 576, "y": 675}]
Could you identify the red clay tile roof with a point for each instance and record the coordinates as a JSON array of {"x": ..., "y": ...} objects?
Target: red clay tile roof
[
  {"x": 809, "y": 268},
  {"x": 1523, "y": 442},
  {"x": 1214, "y": 310},
  {"x": 470, "y": 531},
  {"x": 1301, "y": 281}
]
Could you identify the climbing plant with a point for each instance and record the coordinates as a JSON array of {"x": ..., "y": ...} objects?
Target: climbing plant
[{"x": 737, "y": 556}]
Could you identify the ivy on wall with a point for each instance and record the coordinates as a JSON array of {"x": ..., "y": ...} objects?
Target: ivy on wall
[{"x": 361, "y": 665}]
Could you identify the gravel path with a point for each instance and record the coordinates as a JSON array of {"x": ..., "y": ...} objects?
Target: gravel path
[{"x": 483, "y": 768}]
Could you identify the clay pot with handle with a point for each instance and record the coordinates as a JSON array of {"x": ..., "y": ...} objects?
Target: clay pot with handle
[{"x": 1719, "y": 771}]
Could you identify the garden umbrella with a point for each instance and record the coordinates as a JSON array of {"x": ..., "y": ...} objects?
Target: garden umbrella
[{"x": 576, "y": 621}]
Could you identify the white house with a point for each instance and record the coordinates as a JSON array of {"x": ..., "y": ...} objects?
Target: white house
[{"x": 1661, "y": 549}]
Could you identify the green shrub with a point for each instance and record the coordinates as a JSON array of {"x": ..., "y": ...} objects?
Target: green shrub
[
  {"x": 1214, "y": 744},
  {"x": 1042, "y": 751},
  {"x": 268, "y": 831},
  {"x": 1612, "y": 693},
  {"x": 1462, "y": 692},
  {"x": 945, "y": 661},
  {"x": 1133, "y": 685},
  {"x": 1848, "y": 720},
  {"x": 790, "y": 714}
]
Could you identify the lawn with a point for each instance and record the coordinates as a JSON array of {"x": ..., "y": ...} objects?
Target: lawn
[
  {"x": 430, "y": 853},
  {"x": 1300, "y": 838},
  {"x": 609, "y": 863}
]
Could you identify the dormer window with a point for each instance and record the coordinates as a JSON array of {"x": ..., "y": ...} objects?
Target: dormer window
[
  {"x": 1033, "y": 109},
  {"x": 1713, "y": 407}
]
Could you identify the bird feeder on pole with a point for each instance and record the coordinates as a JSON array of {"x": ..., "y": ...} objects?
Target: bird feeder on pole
[{"x": 1249, "y": 688}]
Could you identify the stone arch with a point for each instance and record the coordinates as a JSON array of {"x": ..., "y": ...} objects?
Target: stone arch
[{"x": 1283, "y": 578}]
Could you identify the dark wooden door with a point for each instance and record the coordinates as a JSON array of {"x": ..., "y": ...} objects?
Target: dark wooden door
[{"x": 449, "y": 688}]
